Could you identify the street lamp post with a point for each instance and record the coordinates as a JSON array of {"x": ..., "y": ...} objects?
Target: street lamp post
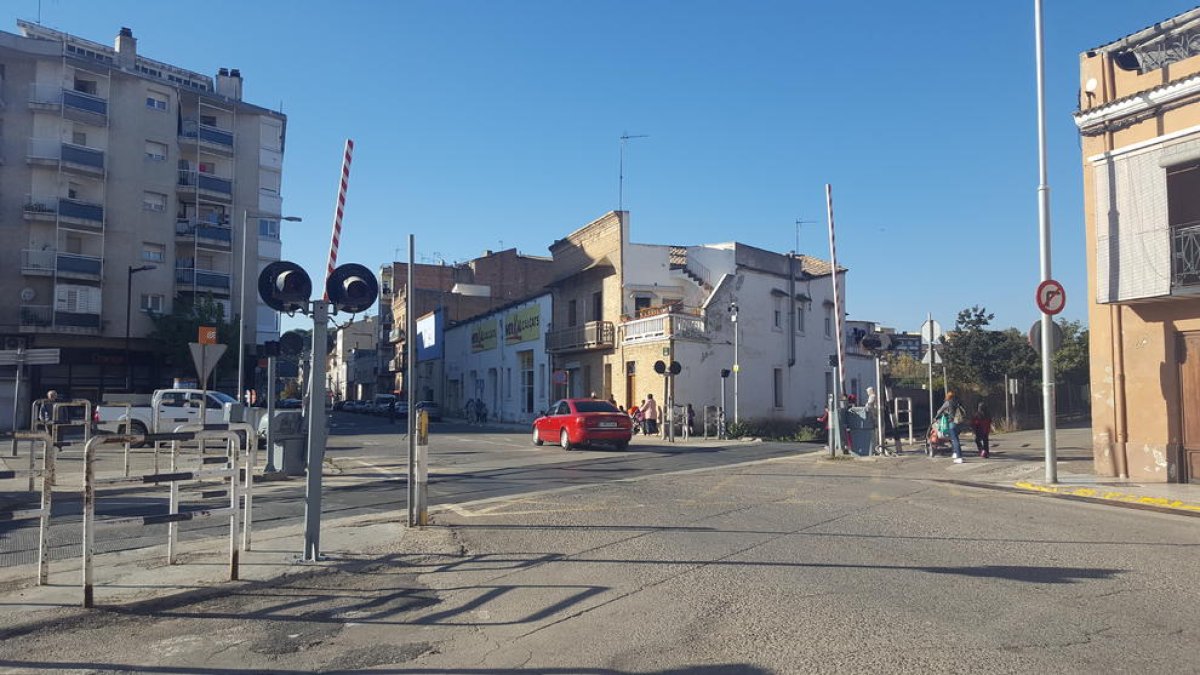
[
  {"x": 733, "y": 316},
  {"x": 241, "y": 378},
  {"x": 128, "y": 311}
]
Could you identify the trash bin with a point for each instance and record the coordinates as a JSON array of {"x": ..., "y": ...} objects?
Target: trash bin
[
  {"x": 862, "y": 430},
  {"x": 289, "y": 455}
]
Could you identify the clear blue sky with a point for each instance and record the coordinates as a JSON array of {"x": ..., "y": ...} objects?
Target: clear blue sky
[{"x": 482, "y": 125}]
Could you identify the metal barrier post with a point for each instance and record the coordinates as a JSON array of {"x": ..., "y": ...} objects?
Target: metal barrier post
[
  {"x": 89, "y": 516},
  {"x": 47, "y": 503},
  {"x": 421, "y": 466},
  {"x": 231, "y": 445},
  {"x": 128, "y": 414}
]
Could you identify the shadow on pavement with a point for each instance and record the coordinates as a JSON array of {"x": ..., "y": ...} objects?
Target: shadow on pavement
[{"x": 709, "y": 669}]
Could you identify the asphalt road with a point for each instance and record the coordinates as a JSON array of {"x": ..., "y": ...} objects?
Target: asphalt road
[
  {"x": 797, "y": 564},
  {"x": 366, "y": 465}
]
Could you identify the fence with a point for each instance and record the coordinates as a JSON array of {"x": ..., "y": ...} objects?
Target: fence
[{"x": 46, "y": 498}]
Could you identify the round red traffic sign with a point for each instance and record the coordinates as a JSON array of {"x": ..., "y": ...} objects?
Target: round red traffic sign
[{"x": 1051, "y": 298}]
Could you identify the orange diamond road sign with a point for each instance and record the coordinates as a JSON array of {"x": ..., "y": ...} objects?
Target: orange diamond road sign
[{"x": 208, "y": 335}]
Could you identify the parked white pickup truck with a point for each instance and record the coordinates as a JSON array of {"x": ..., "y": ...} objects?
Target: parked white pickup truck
[{"x": 174, "y": 406}]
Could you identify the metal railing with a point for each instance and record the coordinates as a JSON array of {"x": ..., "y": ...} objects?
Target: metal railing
[
  {"x": 1185, "y": 254},
  {"x": 33, "y": 260},
  {"x": 80, "y": 264},
  {"x": 41, "y": 204},
  {"x": 75, "y": 208},
  {"x": 85, "y": 102},
  {"x": 37, "y": 316},
  {"x": 204, "y": 132},
  {"x": 188, "y": 275},
  {"x": 204, "y": 230},
  {"x": 591, "y": 335},
  {"x": 209, "y": 182},
  {"x": 676, "y": 322},
  {"x": 45, "y": 498}
]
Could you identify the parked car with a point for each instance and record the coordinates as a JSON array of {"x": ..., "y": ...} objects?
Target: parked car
[
  {"x": 582, "y": 421},
  {"x": 289, "y": 404},
  {"x": 431, "y": 408},
  {"x": 173, "y": 407},
  {"x": 382, "y": 404}
]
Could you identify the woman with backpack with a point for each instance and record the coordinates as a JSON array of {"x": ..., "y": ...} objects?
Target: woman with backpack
[{"x": 952, "y": 415}]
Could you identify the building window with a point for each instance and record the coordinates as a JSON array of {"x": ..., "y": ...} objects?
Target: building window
[
  {"x": 79, "y": 138},
  {"x": 778, "y": 387},
  {"x": 572, "y": 317},
  {"x": 777, "y": 317},
  {"x": 828, "y": 321},
  {"x": 640, "y": 302},
  {"x": 154, "y": 201},
  {"x": 156, "y": 151},
  {"x": 77, "y": 299},
  {"x": 85, "y": 86},
  {"x": 597, "y": 306},
  {"x": 73, "y": 190},
  {"x": 156, "y": 101},
  {"x": 153, "y": 252},
  {"x": 152, "y": 303},
  {"x": 268, "y": 228},
  {"x": 828, "y": 386},
  {"x": 541, "y": 382},
  {"x": 799, "y": 318},
  {"x": 525, "y": 363}
]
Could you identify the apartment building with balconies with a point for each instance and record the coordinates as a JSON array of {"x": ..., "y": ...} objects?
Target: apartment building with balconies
[
  {"x": 112, "y": 161},
  {"x": 1139, "y": 121}
]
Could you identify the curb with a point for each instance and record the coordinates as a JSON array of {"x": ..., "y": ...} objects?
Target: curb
[{"x": 1091, "y": 496}]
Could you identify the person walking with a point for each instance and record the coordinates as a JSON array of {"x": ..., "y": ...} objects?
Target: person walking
[
  {"x": 956, "y": 416},
  {"x": 650, "y": 412},
  {"x": 691, "y": 420},
  {"x": 981, "y": 424}
]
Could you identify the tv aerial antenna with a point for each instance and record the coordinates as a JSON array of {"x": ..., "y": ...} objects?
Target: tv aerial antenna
[{"x": 621, "y": 169}]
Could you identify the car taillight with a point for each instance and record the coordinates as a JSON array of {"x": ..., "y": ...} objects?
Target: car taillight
[
  {"x": 96, "y": 416},
  {"x": 581, "y": 420}
]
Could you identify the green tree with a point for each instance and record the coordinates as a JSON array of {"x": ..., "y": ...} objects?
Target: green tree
[
  {"x": 977, "y": 359},
  {"x": 1071, "y": 360},
  {"x": 176, "y": 330}
]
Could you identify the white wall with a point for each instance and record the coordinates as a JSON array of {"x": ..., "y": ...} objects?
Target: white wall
[{"x": 494, "y": 374}]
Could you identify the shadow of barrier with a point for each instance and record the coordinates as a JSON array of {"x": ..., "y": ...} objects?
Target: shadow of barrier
[
  {"x": 223, "y": 468},
  {"x": 46, "y": 498}
]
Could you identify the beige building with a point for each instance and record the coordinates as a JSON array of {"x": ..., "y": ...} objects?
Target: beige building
[
  {"x": 352, "y": 363},
  {"x": 113, "y": 161},
  {"x": 1139, "y": 117}
]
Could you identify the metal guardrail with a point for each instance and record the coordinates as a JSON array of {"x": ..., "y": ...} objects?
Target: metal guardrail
[
  {"x": 228, "y": 472},
  {"x": 46, "y": 498}
]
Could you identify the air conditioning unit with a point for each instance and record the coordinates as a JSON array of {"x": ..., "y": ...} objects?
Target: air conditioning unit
[{"x": 14, "y": 342}]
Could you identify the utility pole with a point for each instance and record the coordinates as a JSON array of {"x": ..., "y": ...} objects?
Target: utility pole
[
  {"x": 1048, "y": 419},
  {"x": 316, "y": 432}
]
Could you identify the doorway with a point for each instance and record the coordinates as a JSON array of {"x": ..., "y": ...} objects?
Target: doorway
[{"x": 630, "y": 381}]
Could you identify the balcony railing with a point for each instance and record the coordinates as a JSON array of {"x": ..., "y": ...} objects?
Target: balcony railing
[
  {"x": 206, "y": 133},
  {"x": 79, "y": 264},
  {"x": 86, "y": 102},
  {"x": 205, "y": 278},
  {"x": 41, "y": 206},
  {"x": 203, "y": 230},
  {"x": 77, "y": 320},
  {"x": 53, "y": 151},
  {"x": 79, "y": 154},
  {"x": 37, "y": 262},
  {"x": 74, "y": 208},
  {"x": 204, "y": 181},
  {"x": 678, "y": 322},
  {"x": 1185, "y": 250},
  {"x": 591, "y": 335},
  {"x": 37, "y": 316}
]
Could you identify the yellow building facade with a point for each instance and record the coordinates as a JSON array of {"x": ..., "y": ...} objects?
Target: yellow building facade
[{"x": 1139, "y": 120}]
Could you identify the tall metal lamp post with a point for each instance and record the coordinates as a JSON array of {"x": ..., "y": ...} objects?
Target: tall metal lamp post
[
  {"x": 241, "y": 379},
  {"x": 733, "y": 316},
  {"x": 129, "y": 310}
]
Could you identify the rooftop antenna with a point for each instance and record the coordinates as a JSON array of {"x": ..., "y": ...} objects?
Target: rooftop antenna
[
  {"x": 621, "y": 169},
  {"x": 800, "y": 222}
]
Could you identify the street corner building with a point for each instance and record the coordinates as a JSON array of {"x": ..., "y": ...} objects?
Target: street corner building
[
  {"x": 1139, "y": 118},
  {"x": 130, "y": 187}
]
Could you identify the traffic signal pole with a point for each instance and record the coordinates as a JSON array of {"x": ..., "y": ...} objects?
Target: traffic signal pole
[{"x": 316, "y": 432}]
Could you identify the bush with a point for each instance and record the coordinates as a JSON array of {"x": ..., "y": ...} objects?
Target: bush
[{"x": 777, "y": 429}]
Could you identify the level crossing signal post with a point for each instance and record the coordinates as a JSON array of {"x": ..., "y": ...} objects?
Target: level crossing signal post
[{"x": 285, "y": 287}]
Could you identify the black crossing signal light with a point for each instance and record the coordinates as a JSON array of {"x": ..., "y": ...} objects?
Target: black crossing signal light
[
  {"x": 724, "y": 372},
  {"x": 270, "y": 348},
  {"x": 284, "y": 286},
  {"x": 660, "y": 367},
  {"x": 352, "y": 288}
]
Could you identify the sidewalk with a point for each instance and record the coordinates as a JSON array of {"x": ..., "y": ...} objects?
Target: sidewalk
[{"x": 1018, "y": 463}]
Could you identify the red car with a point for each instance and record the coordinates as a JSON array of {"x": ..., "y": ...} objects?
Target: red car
[{"x": 581, "y": 421}]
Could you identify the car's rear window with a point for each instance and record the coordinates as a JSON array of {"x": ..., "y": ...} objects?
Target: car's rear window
[{"x": 594, "y": 406}]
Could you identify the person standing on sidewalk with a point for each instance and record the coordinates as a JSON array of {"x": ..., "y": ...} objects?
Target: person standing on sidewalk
[
  {"x": 650, "y": 412},
  {"x": 956, "y": 416},
  {"x": 981, "y": 424}
]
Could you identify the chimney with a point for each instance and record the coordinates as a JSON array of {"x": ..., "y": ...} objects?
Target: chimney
[
  {"x": 229, "y": 83},
  {"x": 126, "y": 46}
]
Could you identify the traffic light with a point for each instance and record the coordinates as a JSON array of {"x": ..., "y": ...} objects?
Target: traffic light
[
  {"x": 724, "y": 373},
  {"x": 352, "y": 288},
  {"x": 284, "y": 286}
]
